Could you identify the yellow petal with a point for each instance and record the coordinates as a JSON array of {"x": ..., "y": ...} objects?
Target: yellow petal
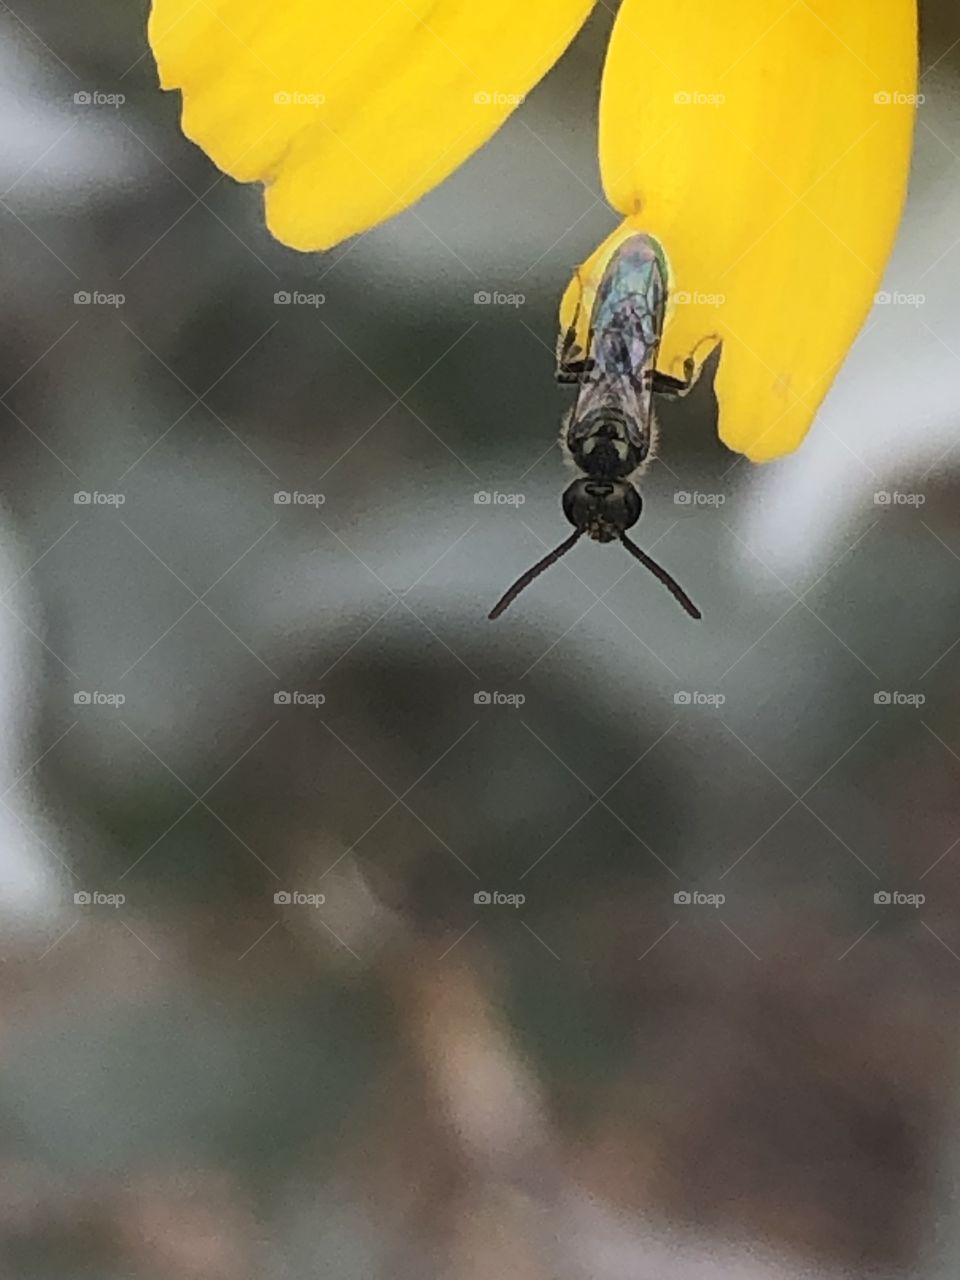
[
  {"x": 767, "y": 147},
  {"x": 351, "y": 112}
]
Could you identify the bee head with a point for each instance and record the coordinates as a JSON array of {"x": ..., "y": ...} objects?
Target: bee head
[{"x": 604, "y": 509}]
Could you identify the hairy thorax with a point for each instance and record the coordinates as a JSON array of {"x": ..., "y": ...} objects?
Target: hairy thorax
[{"x": 602, "y": 447}]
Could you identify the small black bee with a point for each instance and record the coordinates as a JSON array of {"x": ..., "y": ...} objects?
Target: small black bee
[{"x": 611, "y": 429}]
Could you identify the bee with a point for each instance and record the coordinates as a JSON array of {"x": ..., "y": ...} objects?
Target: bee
[{"x": 609, "y": 433}]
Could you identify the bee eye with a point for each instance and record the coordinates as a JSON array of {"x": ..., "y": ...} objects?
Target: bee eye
[
  {"x": 633, "y": 505},
  {"x": 573, "y": 503}
]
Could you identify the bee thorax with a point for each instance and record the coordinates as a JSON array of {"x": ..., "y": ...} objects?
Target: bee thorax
[{"x": 606, "y": 456}]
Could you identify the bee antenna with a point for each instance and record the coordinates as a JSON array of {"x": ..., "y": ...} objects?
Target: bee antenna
[
  {"x": 525, "y": 579},
  {"x": 658, "y": 571}
]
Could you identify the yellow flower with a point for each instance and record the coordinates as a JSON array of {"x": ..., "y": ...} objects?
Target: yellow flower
[{"x": 764, "y": 143}]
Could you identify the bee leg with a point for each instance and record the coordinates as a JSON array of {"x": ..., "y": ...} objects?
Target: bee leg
[
  {"x": 665, "y": 385},
  {"x": 570, "y": 371},
  {"x": 572, "y": 362},
  {"x": 567, "y": 345}
]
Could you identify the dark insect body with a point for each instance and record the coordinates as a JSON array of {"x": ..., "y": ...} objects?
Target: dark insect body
[{"x": 609, "y": 433}]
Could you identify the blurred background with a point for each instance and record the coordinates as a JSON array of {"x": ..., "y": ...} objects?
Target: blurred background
[{"x": 346, "y": 934}]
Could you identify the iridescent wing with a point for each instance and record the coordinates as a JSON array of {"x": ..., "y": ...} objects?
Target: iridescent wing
[{"x": 625, "y": 329}]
